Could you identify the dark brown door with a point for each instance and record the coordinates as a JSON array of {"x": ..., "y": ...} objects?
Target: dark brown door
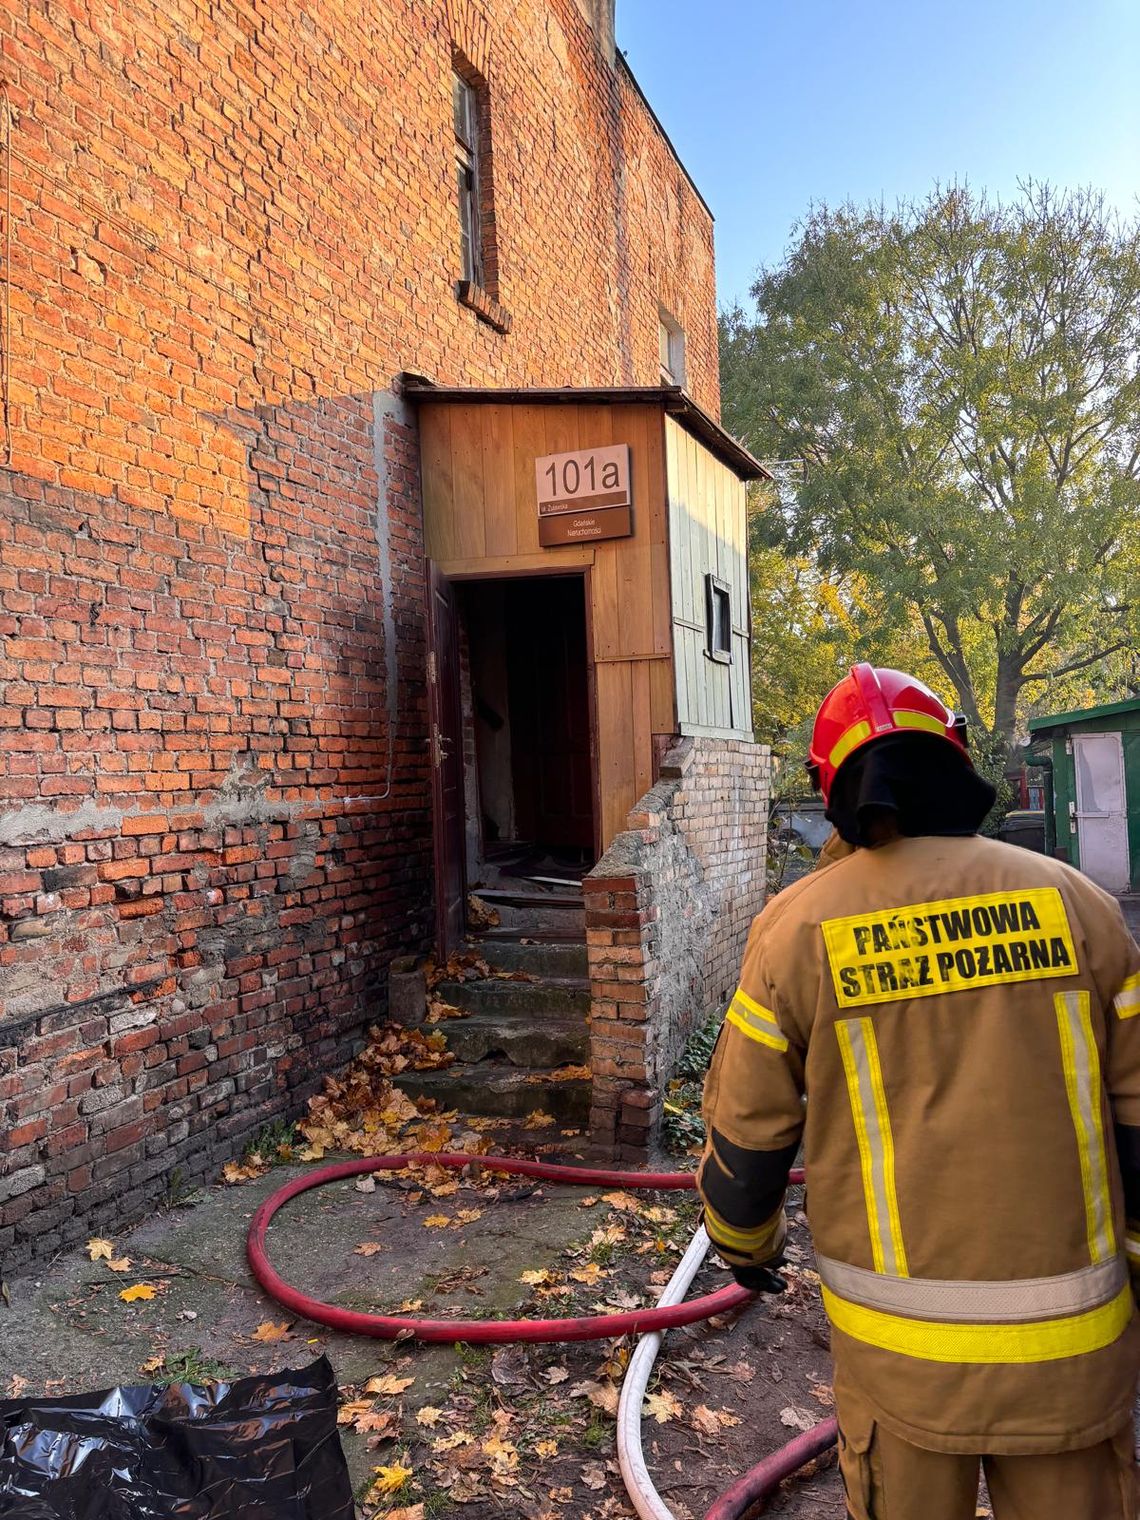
[
  {"x": 550, "y": 712},
  {"x": 446, "y": 760}
]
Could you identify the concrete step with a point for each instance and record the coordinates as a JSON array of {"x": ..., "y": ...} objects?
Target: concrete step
[
  {"x": 533, "y": 913},
  {"x": 558, "y": 958},
  {"x": 562, "y": 997},
  {"x": 521, "y": 1042},
  {"x": 501, "y": 1091}
]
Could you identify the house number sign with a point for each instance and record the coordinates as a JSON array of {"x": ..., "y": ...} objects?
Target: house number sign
[{"x": 584, "y": 495}]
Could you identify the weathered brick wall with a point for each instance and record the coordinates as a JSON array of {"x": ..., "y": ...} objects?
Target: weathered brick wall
[
  {"x": 232, "y": 226},
  {"x": 668, "y": 909}
]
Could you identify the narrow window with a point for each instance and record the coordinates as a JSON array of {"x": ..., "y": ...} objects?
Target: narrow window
[
  {"x": 466, "y": 113},
  {"x": 718, "y": 602},
  {"x": 670, "y": 349}
]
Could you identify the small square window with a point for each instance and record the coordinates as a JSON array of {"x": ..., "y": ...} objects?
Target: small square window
[{"x": 718, "y": 602}]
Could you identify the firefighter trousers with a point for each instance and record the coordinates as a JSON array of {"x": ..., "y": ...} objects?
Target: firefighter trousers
[{"x": 887, "y": 1478}]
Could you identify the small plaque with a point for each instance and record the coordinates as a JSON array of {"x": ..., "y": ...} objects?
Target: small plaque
[
  {"x": 580, "y": 527},
  {"x": 586, "y": 479}
]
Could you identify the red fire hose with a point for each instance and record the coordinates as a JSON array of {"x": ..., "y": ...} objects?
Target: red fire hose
[{"x": 760, "y": 1481}]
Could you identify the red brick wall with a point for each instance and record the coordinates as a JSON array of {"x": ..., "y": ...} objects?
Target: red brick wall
[
  {"x": 668, "y": 909},
  {"x": 232, "y": 226}
]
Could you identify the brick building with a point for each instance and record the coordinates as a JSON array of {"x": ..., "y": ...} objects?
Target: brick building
[{"x": 235, "y": 230}]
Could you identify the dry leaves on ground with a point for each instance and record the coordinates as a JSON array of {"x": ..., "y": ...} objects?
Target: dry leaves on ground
[
  {"x": 368, "y": 1248},
  {"x": 100, "y": 1250},
  {"x": 662, "y": 1406},
  {"x": 388, "y": 1384},
  {"x": 140, "y": 1292},
  {"x": 710, "y": 1422},
  {"x": 797, "y": 1419},
  {"x": 389, "y": 1480},
  {"x": 269, "y": 1332},
  {"x": 247, "y": 1170}
]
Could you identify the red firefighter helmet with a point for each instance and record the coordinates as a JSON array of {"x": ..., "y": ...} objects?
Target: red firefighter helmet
[{"x": 868, "y": 703}]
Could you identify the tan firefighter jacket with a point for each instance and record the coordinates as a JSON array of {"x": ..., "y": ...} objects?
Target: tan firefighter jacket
[{"x": 964, "y": 1019}]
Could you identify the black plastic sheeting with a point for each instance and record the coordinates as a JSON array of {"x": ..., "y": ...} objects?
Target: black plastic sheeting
[{"x": 261, "y": 1448}]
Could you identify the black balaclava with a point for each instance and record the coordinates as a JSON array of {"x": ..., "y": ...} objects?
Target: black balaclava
[{"x": 928, "y": 784}]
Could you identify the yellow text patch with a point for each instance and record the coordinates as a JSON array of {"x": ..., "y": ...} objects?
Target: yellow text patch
[{"x": 949, "y": 946}]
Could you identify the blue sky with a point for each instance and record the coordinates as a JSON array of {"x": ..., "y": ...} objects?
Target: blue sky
[{"x": 773, "y": 104}]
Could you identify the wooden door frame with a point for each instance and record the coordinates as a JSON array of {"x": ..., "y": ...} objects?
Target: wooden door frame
[
  {"x": 526, "y": 568},
  {"x": 438, "y": 830}
]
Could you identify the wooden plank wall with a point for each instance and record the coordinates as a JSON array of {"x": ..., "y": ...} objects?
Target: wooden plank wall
[
  {"x": 708, "y": 528},
  {"x": 481, "y": 518}
]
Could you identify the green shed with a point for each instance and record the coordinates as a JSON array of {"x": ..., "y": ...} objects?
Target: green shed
[{"x": 1092, "y": 806}]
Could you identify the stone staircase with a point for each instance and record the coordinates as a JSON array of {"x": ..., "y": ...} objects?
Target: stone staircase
[{"x": 516, "y": 1034}]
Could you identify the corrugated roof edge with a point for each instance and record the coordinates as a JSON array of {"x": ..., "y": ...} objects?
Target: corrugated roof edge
[
  {"x": 672, "y": 398},
  {"x": 1085, "y": 714}
]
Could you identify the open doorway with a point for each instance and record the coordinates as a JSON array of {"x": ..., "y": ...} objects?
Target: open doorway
[{"x": 527, "y": 716}]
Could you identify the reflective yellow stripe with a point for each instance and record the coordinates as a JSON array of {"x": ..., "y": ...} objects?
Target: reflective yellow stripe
[
  {"x": 888, "y": 1143},
  {"x": 1127, "y": 1000},
  {"x": 927, "y": 721},
  {"x": 748, "y": 1242},
  {"x": 750, "y": 1005},
  {"x": 848, "y": 740},
  {"x": 860, "y": 1052},
  {"x": 755, "y": 1021},
  {"x": 1081, "y": 1061},
  {"x": 1132, "y": 1249},
  {"x": 1040, "y": 1341}
]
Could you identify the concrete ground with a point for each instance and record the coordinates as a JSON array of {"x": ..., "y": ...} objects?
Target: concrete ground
[
  {"x": 535, "y": 1423},
  {"x": 67, "y": 1329}
]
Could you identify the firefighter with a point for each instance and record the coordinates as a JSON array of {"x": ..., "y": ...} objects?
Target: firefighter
[{"x": 964, "y": 1018}]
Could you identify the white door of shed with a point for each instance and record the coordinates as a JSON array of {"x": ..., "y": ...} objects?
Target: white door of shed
[{"x": 1102, "y": 823}]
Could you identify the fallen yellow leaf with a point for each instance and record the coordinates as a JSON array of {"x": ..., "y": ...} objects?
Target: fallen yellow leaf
[
  {"x": 389, "y": 1479},
  {"x": 140, "y": 1290},
  {"x": 369, "y": 1248},
  {"x": 153, "y": 1364},
  {"x": 100, "y": 1250},
  {"x": 535, "y": 1279},
  {"x": 355, "y": 1409},
  {"x": 410, "y": 1305},
  {"x": 406, "y": 1512},
  {"x": 449, "y": 1443},
  {"x": 591, "y": 1273},
  {"x": 504, "y": 1455},
  {"x": 268, "y": 1331},
  {"x": 663, "y": 1406},
  {"x": 538, "y": 1120},
  {"x": 377, "y": 1422},
  {"x": 119, "y": 1265},
  {"x": 388, "y": 1384},
  {"x": 546, "y": 1449},
  {"x": 623, "y": 1201},
  {"x": 436, "y": 1222},
  {"x": 468, "y": 1216},
  {"x": 428, "y": 1415}
]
